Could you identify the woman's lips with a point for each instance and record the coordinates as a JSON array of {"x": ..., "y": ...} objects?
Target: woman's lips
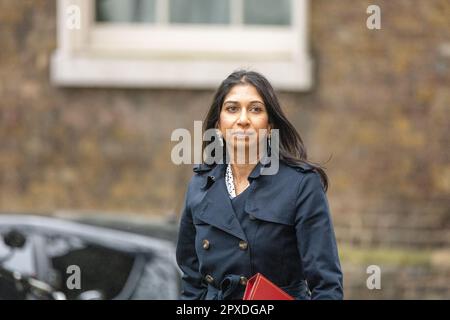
[{"x": 242, "y": 134}]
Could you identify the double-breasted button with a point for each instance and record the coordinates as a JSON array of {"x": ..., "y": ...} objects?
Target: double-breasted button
[
  {"x": 243, "y": 245},
  {"x": 243, "y": 281},
  {"x": 206, "y": 244},
  {"x": 209, "y": 279}
]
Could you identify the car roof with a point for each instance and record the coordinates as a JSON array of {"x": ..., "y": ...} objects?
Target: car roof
[{"x": 108, "y": 237}]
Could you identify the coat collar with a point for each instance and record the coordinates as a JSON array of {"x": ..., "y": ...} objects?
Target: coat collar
[
  {"x": 260, "y": 167},
  {"x": 216, "y": 208},
  {"x": 218, "y": 211},
  {"x": 218, "y": 170}
]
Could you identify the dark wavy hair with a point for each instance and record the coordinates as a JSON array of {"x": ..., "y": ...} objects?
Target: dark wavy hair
[{"x": 292, "y": 151}]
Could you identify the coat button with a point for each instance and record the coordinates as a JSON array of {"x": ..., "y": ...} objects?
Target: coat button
[
  {"x": 205, "y": 244},
  {"x": 243, "y": 245},
  {"x": 243, "y": 281},
  {"x": 209, "y": 279},
  {"x": 252, "y": 217}
]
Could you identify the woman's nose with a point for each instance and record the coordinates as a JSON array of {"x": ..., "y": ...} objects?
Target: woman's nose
[{"x": 243, "y": 119}]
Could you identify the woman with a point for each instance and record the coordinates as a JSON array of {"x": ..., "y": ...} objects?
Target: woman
[{"x": 238, "y": 220}]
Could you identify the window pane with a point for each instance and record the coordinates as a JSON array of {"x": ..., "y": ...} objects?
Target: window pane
[
  {"x": 267, "y": 12},
  {"x": 125, "y": 11},
  {"x": 200, "y": 11}
]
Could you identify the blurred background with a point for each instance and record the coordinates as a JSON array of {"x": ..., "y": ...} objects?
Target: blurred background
[{"x": 90, "y": 92}]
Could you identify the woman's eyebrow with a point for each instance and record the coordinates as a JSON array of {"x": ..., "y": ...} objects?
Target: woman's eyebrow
[
  {"x": 231, "y": 101},
  {"x": 237, "y": 102}
]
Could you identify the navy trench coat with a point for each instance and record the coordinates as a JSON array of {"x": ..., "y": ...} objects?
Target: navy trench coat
[{"x": 292, "y": 242}]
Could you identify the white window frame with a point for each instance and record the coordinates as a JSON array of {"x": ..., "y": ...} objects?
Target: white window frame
[{"x": 179, "y": 56}]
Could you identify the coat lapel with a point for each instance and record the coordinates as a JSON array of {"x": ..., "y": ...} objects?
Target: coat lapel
[{"x": 217, "y": 209}]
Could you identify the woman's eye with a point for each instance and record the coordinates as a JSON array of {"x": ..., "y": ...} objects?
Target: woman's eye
[
  {"x": 231, "y": 109},
  {"x": 256, "y": 109}
]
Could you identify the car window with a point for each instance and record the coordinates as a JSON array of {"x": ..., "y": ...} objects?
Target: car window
[{"x": 102, "y": 269}]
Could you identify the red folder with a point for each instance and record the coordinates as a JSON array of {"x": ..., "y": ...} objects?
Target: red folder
[{"x": 260, "y": 288}]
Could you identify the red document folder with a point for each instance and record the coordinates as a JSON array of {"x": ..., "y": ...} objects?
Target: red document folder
[{"x": 260, "y": 288}]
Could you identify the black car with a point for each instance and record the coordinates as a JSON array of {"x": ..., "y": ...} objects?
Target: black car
[{"x": 53, "y": 258}]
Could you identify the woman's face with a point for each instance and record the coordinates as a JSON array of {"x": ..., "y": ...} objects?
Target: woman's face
[{"x": 242, "y": 115}]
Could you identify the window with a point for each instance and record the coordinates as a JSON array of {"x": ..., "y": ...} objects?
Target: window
[
  {"x": 182, "y": 43},
  {"x": 250, "y": 12},
  {"x": 125, "y": 11}
]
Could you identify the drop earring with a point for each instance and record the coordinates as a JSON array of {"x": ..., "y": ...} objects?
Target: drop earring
[{"x": 220, "y": 137}]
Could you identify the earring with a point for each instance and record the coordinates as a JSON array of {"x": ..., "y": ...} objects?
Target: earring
[
  {"x": 269, "y": 139},
  {"x": 220, "y": 137}
]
